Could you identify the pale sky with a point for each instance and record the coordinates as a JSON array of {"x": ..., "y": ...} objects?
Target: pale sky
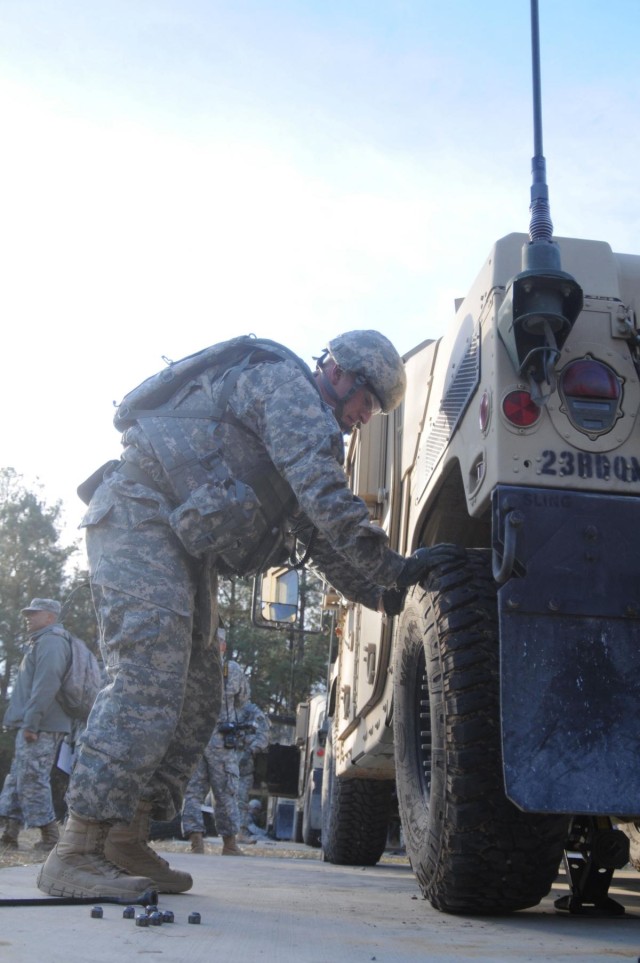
[{"x": 177, "y": 172}]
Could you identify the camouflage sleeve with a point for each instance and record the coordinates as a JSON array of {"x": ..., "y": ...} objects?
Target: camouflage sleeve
[
  {"x": 260, "y": 738},
  {"x": 303, "y": 440},
  {"x": 237, "y": 685},
  {"x": 51, "y": 663},
  {"x": 342, "y": 575},
  {"x": 245, "y": 692}
]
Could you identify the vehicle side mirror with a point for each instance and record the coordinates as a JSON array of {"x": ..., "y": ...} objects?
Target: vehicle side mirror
[{"x": 276, "y": 594}]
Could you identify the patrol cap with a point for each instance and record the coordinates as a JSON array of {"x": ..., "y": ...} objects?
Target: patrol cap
[
  {"x": 371, "y": 355},
  {"x": 43, "y": 605}
]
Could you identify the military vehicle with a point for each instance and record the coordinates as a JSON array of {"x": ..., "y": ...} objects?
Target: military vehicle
[
  {"x": 503, "y": 702},
  {"x": 311, "y": 738}
]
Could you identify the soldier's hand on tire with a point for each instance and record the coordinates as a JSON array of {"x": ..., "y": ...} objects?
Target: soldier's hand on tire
[{"x": 418, "y": 565}]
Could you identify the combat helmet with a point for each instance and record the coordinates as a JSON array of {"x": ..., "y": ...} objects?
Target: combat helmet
[{"x": 372, "y": 357}]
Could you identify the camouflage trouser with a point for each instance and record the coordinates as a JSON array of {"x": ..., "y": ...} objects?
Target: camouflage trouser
[
  {"x": 26, "y": 794},
  {"x": 218, "y": 770},
  {"x": 148, "y": 727}
]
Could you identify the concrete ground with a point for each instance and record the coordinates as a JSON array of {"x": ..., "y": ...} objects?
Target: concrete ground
[{"x": 282, "y": 904}]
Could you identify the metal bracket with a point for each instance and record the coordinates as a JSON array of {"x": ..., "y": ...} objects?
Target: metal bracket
[
  {"x": 502, "y": 568},
  {"x": 594, "y": 850}
]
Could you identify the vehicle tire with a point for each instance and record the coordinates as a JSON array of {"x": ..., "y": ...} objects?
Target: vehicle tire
[
  {"x": 355, "y": 815},
  {"x": 310, "y": 836},
  {"x": 471, "y": 849}
]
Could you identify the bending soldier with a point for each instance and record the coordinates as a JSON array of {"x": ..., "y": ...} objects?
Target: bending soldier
[{"x": 221, "y": 470}]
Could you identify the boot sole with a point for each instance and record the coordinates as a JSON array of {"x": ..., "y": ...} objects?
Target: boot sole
[
  {"x": 172, "y": 890},
  {"x": 54, "y": 886}
]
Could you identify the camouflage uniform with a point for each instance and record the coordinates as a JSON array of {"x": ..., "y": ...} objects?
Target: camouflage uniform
[
  {"x": 154, "y": 590},
  {"x": 252, "y": 740},
  {"x": 218, "y": 768},
  {"x": 26, "y": 793}
]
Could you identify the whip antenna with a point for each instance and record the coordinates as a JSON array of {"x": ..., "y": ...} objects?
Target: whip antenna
[
  {"x": 541, "y": 303},
  {"x": 540, "y": 226}
]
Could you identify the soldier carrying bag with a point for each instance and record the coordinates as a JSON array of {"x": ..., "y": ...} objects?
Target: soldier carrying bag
[{"x": 82, "y": 681}]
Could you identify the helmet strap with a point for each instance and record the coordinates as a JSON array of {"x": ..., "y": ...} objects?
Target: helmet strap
[{"x": 339, "y": 403}]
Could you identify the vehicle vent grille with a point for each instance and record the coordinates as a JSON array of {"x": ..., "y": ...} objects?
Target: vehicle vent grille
[{"x": 452, "y": 408}]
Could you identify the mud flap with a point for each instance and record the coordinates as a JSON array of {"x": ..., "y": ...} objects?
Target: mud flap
[{"x": 570, "y": 651}]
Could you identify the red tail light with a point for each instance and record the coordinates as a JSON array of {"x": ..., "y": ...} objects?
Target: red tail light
[
  {"x": 590, "y": 379},
  {"x": 591, "y": 391},
  {"x": 520, "y": 409}
]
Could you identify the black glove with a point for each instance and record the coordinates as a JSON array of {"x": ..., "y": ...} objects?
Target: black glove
[
  {"x": 418, "y": 565},
  {"x": 393, "y": 600}
]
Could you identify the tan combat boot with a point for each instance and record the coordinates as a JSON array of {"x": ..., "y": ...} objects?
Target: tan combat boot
[
  {"x": 10, "y": 835},
  {"x": 77, "y": 866},
  {"x": 230, "y": 846},
  {"x": 127, "y": 846},
  {"x": 50, "y": 836},
  {"x": 197, "y": 843}
]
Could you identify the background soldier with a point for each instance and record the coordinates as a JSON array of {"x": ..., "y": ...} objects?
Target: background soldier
[
  {"x": 224, "y": 467},
  {"x": 218, "y": 769},
  {"x": 41, "y": 725},
  {"x": 257, "y": 819},
  {"x": 254, "y": 737}
]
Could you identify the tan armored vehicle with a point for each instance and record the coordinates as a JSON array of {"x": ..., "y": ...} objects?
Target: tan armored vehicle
[
  {"x": 500, "y": 700},
  {"x": 503, "y": 702}
]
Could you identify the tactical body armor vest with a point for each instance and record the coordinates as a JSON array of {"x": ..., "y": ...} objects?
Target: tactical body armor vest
[{"x": 237, "y": 520}]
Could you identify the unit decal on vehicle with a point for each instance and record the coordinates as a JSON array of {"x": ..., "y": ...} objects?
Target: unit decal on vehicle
[{"x": 585, "y": 464}]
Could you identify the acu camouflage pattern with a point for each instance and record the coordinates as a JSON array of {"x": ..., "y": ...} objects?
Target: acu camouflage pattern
[
  {"x": 218, "y": 768},
  {"x": 218, "y": 771},
  {"x": 283, "y": 428},
  {"x": 147, "y": 728},
  {"x": 236, "y": 692},
  {"x": 253, "y": 740},
  {"x": 156, "y": 603},
  {"x": 26, "y": 793},
  {"x": 371, "y": 355}
]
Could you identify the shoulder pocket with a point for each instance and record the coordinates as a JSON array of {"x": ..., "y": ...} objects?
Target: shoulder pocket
[{"x": 101, "y": 505}]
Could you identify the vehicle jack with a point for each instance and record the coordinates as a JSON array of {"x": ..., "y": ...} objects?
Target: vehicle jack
[{"x": 594, "y": 850}]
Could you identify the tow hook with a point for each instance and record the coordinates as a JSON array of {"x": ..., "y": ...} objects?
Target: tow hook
[{"x": 502, "y": 568}]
